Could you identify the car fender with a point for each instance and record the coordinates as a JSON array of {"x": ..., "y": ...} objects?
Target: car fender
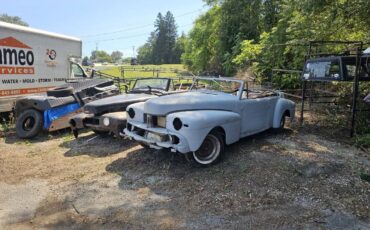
[
  {"x": 197, "y": 124},
  {"x": 139, "y": 112},
  {"x": 281, "y": 107},
  {"x": 38, "y": 103}
]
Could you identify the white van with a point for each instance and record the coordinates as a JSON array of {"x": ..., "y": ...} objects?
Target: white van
[{"x": 32, "y": 61}]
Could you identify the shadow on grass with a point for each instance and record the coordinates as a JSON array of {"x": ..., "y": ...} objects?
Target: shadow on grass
[
  {"x": 253, "y": 186},
  {"x": 11, "y": 137},
  {"x": 95, "y": 145}
]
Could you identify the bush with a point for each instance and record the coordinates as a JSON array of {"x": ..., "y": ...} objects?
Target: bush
[{"x": 363, "y": 141}]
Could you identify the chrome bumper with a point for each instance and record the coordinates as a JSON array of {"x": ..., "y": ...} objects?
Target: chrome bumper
[
  {"x": 117, "y": 121},
  {"x": 139, "y": 132}
]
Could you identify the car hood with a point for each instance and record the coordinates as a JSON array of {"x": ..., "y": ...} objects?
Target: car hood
[
  {"x": 190, "y": 101},
  {"x": 115, "y": 103}
]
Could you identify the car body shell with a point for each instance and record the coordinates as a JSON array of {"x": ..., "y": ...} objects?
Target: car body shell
[
  {"x": 112, "y": 110},
  {"x": 202, "y": 111}
]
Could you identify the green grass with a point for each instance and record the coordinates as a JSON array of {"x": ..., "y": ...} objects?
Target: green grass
[
  {"x": 143, "y": 71},
  {"x": 167, "y": 70},
  {"x": 363, "y": 141}
]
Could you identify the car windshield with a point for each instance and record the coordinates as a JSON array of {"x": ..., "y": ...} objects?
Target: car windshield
[
  {"x": 225, "y": 86},
  {"x": 158, "y": 83}
]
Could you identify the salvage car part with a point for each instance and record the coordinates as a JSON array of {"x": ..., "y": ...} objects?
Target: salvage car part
[{"x": 53, "y": 112}]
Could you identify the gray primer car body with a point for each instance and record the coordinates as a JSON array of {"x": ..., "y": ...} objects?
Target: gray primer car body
[
  {"x": 108, "y": 115},
  {"x": 202, "y": 111}
]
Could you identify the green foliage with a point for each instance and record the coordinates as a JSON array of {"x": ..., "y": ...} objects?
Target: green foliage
[
  {"x": 202, "y": 48},
  {"x": 217, "y": 38},
  {"x": 4, "y": 126},
  {"x": 100, "y": 56},
  {"x": 12, "y": 19},
  {"x": 116, "y": 56},
  {"x": 262, "y": 35},
  {"x": 249, "y": 52},
  {"x": 221, "y": 39},
  {"x": 144, "y": 54},
  {"x": 163, "y": 45},
  {"x": 363, "y": 141},
  {"x": 147, "y": 70},
  {"x": 365, "y": 176},
  {"x": 287, "y": 81}
]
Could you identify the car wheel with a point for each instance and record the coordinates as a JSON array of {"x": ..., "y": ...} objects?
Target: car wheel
[
  {"x": 210, "y": 152},
  {"x": 63, "y": 91},
  {"x": 29, "y": 123}
]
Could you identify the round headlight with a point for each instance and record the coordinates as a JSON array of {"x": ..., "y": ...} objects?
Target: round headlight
[
  {"x": 131, "y": 113},
  {"x": 106, "y": 121},
  {"x": 177, "y": 123}
]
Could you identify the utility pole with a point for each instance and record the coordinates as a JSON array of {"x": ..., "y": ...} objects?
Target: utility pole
[
  {"x": 96, "y": 50},
  {"x": 133, "y": 52}
]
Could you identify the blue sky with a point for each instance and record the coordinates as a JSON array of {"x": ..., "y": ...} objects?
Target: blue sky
[{"x": 110, "y": 24}]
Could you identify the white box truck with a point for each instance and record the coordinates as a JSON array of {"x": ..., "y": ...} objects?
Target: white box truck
[{"x": 32, "y": 61}]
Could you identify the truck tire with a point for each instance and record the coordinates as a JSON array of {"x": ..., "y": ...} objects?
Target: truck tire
[
  {"x": 210, "y": 152},
  {"x": 29, "y": 123},
  {"x": 63, "y": 91}
]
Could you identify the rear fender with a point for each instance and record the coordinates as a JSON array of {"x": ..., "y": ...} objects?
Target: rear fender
[
  {"x": 283, "y": 106},
  {"x": 197, "y": 124}
]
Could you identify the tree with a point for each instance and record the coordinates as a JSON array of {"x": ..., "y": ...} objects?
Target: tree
[
  {"x": 162, "y": 46},
  {"x": 203, "y": 45},
  {"x": 100, "y": 56},
  {"x": 13, "y": 19},
  {"x": 171, "y": 37},
  {"x": 165, "y": 39},
  {"x": 85, "y": 61},
  {"x": 232, "y": 30},
  {"x": 145, "y": 52},
  {"x": 269, "y": 14},
  {"x": 116, "y": 56},
  {"x": 179, "y": 48},
  {"x": 217, "y": 35}
]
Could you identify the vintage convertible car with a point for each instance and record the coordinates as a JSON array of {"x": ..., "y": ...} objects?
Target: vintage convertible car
[
  {"x": 198, "y": 123},
  {"x": 108, "y": 115}
]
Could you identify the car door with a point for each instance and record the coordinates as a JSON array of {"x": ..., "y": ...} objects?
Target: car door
[{"x": 257, "y": 114}]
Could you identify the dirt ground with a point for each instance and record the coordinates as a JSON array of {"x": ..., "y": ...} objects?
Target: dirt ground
[{"x": 295, "y": 179}]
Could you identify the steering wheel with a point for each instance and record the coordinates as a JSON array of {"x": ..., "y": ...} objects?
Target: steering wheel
[
  {"x": 157, "y": 92},
  {"x": 150, "y": 88}
]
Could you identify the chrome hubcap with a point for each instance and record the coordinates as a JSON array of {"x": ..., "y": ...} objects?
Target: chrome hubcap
[{"x": 208, "y": 151}]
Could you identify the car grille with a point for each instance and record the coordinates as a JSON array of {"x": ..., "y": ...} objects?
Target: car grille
[
  {"x": 155, "y": 121},
  {"x": 92, "y": 121}
]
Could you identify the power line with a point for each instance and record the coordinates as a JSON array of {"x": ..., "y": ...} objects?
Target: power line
[
  {"x": 126, "y": 37},
  {"x": 136, "y": 27}
]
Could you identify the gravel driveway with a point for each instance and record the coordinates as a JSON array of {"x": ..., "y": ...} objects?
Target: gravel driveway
[{"x": 293, "y": 179}]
